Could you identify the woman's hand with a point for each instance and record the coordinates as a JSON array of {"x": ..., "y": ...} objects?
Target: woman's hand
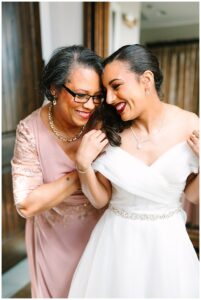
[
  {"x": 91, "y": 146},
  {"x": 193, "y": 142}
]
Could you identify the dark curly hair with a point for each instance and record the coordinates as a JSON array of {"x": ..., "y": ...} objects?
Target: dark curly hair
[{"x": 139, "y": 59}]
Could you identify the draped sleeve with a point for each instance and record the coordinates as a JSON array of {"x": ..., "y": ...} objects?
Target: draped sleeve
[{"x": 26, "y": 170}]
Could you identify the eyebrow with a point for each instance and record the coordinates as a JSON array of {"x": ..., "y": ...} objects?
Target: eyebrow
[
  {"x": 111, "y": 81},
  {"x": 86, "y": 91}
]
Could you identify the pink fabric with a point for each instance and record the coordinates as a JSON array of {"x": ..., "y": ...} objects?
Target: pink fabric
[{"x": 56, "y": 238}]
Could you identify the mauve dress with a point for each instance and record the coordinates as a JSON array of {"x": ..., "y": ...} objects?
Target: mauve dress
[{"x": 56, "y": 238}]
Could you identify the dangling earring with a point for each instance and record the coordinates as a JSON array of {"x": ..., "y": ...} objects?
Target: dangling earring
[
  {"x": 147, "y": 92},
  {"x": 54, "y": 102}
]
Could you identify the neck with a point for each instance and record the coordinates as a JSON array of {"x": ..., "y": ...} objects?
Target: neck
[{"x": 151, "y": 118}]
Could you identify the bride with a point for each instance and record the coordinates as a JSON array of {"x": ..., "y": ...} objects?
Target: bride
[{"x": 140, "y": 247}]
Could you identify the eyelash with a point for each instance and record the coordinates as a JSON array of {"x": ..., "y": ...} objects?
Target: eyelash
[{"x": 115, "y": 87}]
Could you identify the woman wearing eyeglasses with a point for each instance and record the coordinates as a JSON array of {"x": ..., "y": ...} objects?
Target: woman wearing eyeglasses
[{"x": 59, "y": 218}]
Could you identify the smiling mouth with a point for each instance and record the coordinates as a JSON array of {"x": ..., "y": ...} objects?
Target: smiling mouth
[
  {"x": 120, "y": 107},
  {"x": 84, "y": 114}
]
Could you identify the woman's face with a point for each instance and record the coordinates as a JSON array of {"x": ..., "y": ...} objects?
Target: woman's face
[
  {"x": 125, "y": 90},
  {"x": 82, "y": 80}
]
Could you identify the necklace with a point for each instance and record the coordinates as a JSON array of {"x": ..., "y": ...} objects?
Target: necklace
[
  {"x": 58, "y": 134},
  {"x": 138, "y": 142},
  {"x": 147, "y": 139}
]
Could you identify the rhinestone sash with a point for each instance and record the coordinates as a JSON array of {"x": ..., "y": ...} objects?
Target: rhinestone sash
[{"x": 139, "y": 216}]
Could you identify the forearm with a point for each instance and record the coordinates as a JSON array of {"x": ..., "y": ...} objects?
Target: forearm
[
  {"x": 192, "y": 190},
  {"x": 97, "y": 192},
  {"x": 94, "y": 185},
  {"x": 49, "y": 195}
]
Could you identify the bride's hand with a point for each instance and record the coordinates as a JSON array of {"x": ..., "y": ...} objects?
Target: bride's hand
[
  {"x": 193, "y": 142},
  {"x": 91, "y": 145}
]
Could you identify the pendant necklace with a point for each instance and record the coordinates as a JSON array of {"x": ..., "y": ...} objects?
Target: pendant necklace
[{"x": 139, "y": 143}]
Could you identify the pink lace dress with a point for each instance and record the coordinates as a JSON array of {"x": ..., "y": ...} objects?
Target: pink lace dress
[{"x": 56, "y": 238}]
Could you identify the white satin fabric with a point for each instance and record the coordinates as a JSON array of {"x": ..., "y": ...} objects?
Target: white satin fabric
[{"x": 141, "y": 258}]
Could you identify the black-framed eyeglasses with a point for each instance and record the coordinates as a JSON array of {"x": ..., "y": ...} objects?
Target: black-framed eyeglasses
[{"x": 83, "y": 98}]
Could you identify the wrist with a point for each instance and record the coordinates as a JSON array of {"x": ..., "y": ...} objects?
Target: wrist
[
  {"x": 82, "y": 163},
  {"x": 82, "y": 169}
]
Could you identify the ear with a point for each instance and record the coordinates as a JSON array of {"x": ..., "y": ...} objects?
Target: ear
[
  {"x": 147, "y": 79},
  {"x": 53, "y": 90},
  {"x": 148, "y": 82}
]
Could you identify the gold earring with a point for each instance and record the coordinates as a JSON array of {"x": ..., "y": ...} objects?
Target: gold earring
[{"x": 54, "y": 102}]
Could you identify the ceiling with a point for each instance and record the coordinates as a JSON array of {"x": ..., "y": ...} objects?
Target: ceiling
[{"x": 167, "y": 14}]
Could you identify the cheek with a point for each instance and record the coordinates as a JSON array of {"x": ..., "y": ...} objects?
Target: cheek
[
  {"x": 137, "y": 96},
  {"x": 68, "y": 104},
  {"x": 135, "y": 102},
  {"x": 67, "y": 109},
  {"x": 72, "y": 104}
]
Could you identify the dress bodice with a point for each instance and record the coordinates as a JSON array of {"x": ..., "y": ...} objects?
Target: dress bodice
[
  {"x": 142, "y": 234},
  {"x": 139, "y": 187}
]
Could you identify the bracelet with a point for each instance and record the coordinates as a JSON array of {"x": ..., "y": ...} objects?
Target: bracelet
[{"x": 80, "y": 171}]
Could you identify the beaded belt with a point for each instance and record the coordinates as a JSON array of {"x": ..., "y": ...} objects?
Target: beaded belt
[{"x": 138, "y": 216}]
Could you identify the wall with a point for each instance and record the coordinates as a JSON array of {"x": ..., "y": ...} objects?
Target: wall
[
  {"x": 119, "y": 33},
  {"x": 169, "y": 21},
  {"x": 170, "y": 33},
  {"x": 61, "y": 25}
]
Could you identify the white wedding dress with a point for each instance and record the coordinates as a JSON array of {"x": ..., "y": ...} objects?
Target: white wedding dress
[{"x": 140, "y": 247}]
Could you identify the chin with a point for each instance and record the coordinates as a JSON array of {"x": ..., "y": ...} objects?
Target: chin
[
  {"x": 126, "y": 117},
  {"x": 82, "y": 122},
  {"x": 129, "y": 117}
]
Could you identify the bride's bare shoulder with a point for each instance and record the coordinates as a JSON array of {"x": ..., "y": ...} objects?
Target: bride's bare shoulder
[{"x": 188, "y": 118}]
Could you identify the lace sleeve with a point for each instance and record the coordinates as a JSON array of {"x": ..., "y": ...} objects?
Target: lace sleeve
[{"x": 26, "y": 170}]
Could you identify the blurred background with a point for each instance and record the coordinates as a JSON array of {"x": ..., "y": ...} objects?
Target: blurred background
[{"x": 30, "y": 33}]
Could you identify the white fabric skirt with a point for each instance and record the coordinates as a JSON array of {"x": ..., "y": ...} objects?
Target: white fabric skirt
[{"x": 128, "y": 258}]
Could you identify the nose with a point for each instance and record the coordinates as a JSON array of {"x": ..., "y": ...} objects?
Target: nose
[
  {"x": 110, "y": 97},
  {"x": 89, "y": 104}
]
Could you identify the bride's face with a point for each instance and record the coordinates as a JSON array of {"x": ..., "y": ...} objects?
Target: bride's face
[{"x": 125, "y": 90}]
